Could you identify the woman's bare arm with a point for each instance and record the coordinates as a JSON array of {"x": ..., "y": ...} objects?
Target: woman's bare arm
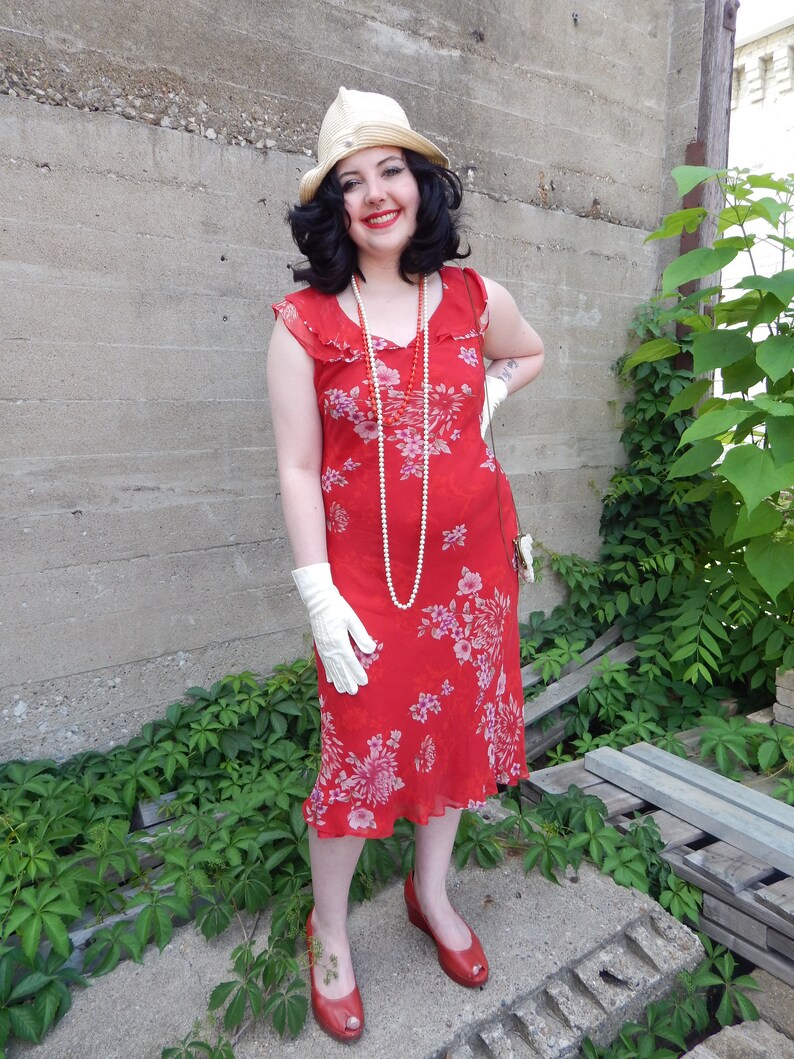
[
  {"x": 299, "y": 445},
  {"x": 510, "y": 343}
]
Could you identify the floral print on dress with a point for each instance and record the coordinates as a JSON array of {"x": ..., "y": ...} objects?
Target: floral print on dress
[
  {"x": 475, "y": 630},
  {"x": 337, "y": 518},
  {"x": 426, "y": 704},
  {"x": 453, "y": 538},
  {"x": 426, "y": 756},
  {"x": 374, "y": 778}
]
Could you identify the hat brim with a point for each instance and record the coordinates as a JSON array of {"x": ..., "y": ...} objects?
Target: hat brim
[{"x": 382, "y": 134}]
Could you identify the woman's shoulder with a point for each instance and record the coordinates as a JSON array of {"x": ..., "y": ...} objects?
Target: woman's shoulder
[
  {"x": 316, "y": 320},
  {"x": 465, "y": 295},
  {"x": 307, "y": 299}
]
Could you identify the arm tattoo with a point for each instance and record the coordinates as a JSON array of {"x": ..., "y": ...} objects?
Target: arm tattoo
[{"x": 506, "y": 374}]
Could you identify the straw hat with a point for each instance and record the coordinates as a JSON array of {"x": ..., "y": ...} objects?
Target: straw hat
[{"x": 356, "y": 120}]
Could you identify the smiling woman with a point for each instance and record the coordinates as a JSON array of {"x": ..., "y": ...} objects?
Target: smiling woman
[{"x": 400, "y": 520}]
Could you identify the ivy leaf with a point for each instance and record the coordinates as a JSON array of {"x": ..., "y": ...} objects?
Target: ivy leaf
[
  {"x": 719, "y": 349},
  {"x": 739, "y": 377},
  {"x": 781, "y": 285},
  {"x": 771, "y": 562},
  {"x": 655, "y": 349},
  {"x": 24, "y": 1022},
  {"x": 701, "y": 456},
  {"x": 774, "y": 406},
  {"x": 717, "y": 421},
  {"x": 764, "y": 520},
  {"x": 235, "y": 1012},
  {"x": 776, "y": 356},
  {"x": 688, "y": 177},
  {"x": 780, "y": 436},
  {"x": 754, "y": 474},
  {"x": 689, "y": 396},
  {"x": 682, "y": 220},
  {"x": 220, "y": 994},
  {"x": 695, "y": 265}
]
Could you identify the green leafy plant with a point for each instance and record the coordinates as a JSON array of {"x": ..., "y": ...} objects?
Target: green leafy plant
[
  {"x": 740, "y": 445},
  {"x": 233, "y": 763},
  {"x": 714, "y": 992}
]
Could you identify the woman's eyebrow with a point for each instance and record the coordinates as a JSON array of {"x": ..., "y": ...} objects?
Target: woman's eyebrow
[{"x": 383, "y": 161}]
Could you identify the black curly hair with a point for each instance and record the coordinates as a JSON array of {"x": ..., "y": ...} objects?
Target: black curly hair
[{"x": 319, "y": 229}]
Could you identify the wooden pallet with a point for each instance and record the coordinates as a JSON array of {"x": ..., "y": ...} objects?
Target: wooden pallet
[{"x": 733, "y": 841}]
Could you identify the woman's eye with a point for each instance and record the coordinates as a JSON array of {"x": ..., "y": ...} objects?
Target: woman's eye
[
  {"x": 393, "y": 170},
  {"x": 349, "y": 185}
]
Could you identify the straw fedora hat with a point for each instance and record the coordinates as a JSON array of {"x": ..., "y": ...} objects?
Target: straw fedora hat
[{"x": 356, "y": 120}]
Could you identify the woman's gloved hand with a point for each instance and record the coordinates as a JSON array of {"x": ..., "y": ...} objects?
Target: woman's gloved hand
[
  {"x": 495, "y": 393},
  {"x": 333, "y": 623}
]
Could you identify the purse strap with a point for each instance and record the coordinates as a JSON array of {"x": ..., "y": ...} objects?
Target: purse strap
[{"x": 481, "y": 344}]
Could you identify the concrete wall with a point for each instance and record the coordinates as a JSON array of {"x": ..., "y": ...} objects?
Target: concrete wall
[{"x": 147, "y": 156}]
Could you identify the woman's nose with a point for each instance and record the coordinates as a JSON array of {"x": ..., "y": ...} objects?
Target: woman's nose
[{"x": 375, "y": 192}]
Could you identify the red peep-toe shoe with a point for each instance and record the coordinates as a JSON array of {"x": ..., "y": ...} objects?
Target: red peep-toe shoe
[
  {"x": 332, "y": 1015},
  {"x": 457, "y": 963}
]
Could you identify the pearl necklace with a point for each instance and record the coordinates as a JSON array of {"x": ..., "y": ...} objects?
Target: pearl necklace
[{"x": 379, "y": 418}]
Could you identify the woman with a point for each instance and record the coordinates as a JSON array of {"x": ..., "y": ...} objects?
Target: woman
[{"x": 400, "y": 522}]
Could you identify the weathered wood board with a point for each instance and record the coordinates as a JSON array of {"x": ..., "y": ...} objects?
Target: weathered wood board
[
  {"x": 743, "y": 829},
  {"x": 568, "y": 687},
  {"x": 537, "y": 740},
  {"x": 779, "y": 897},
  {"x": 729, "y": 866},
  {"x": 744, "y": 900},
  {"x": 557, "y": 778},
  {"x": 780, "y": 943},
  {"x": 730, "y": 791},
  {"x": 738, "y": 922},
  {"x": 676, "y": 832}
]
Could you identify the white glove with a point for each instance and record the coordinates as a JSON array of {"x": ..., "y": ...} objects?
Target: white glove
[
  {"x": 495, "y": 393},
  {"x": 333, "y": 623}
]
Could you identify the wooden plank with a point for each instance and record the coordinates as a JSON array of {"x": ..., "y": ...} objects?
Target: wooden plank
[
  {"x": 780, "y": 943},
  {"x": 568, "y": 687},
  {"x": 616, "y": 799},
  {"x": 728, "y": 790},
  {"x": 742, "y": 829},
  {"x": 152, "y": 813},
  {"x": 778, "y": 896},
  {"x": 676, "y": 832},
  {"x": 777, "y": 965},
  {"x": 690, "y": 740},
  {"x": 557, "y": 778},
  {"x": 729, "y": 866},
  {"x": 744, "y": 900},
  {"x": 736, "y": 922},
  {"x": 536, "y": 742},
  {"x": 530, "y": 677}
]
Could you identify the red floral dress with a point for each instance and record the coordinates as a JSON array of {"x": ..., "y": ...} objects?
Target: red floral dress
[{"x": 440, "y": 722}]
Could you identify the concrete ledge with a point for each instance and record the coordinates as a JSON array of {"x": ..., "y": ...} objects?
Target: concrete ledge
[{"x": 566, "y": 961}]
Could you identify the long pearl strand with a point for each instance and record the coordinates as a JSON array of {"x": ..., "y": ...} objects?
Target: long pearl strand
[{"x": 381, "y": 452}]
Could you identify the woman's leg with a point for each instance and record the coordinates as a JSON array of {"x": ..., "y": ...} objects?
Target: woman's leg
[
  {"x": 333, "y": 862},
  {"x": 434, "y": 842}
]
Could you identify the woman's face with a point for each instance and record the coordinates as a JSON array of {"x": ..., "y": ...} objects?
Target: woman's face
[{"x": 381, "y": 199}]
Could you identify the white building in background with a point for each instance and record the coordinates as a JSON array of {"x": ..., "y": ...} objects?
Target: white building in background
[{"x": 762, "y": 101}]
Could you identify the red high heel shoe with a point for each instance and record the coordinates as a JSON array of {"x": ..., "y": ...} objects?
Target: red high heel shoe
[
  {"x": 457, "y": 963},
  {"x": 332, "y": 1015}
]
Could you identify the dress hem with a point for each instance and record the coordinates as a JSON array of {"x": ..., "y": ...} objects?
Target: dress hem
[{"x": 381, "y": 832}]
